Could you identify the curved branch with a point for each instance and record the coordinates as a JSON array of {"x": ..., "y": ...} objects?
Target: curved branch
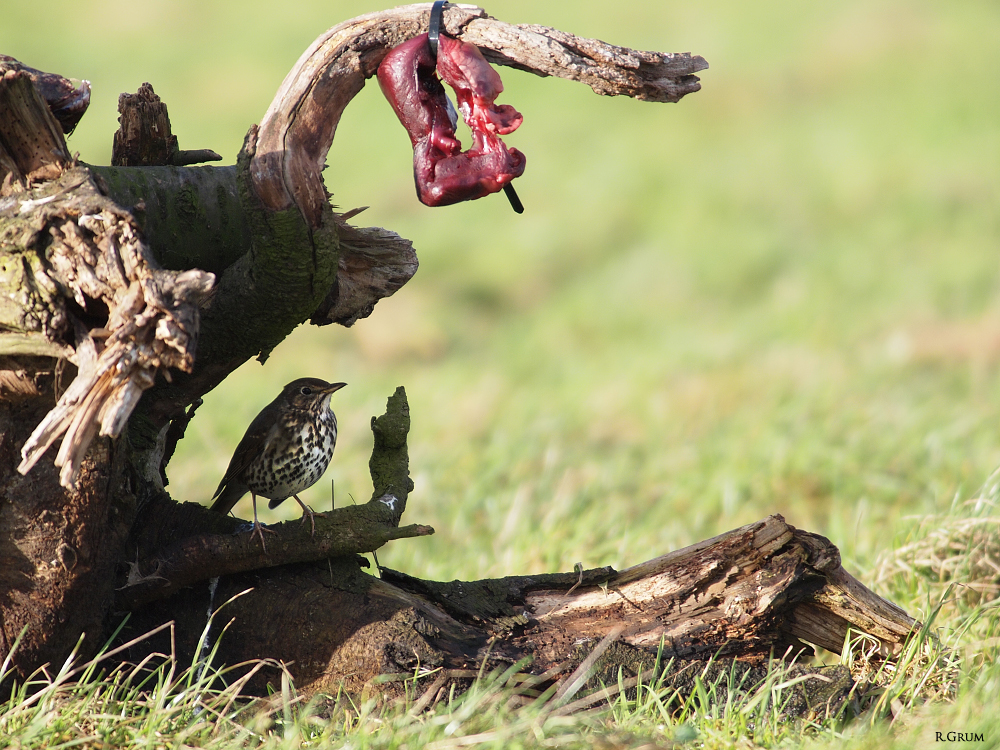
[
  {"x": 298, "y": 129},
  {"x": 296, "y": 239}
]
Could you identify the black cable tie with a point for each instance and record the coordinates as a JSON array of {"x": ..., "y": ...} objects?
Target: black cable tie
[
  {"x": 434, "y": 30},
  {"x": 515, "y": 202}
]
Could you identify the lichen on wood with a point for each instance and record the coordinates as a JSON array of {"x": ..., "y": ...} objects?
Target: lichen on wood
[
  {"x": 191, "y": 217},
  {"x": 390, "y": 463}
]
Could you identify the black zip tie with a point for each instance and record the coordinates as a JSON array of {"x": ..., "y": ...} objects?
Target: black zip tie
[
  {"x": 434, "y": 30},
  {"x": 433, "y": 34},
  {"x": 515, "y": 202}
]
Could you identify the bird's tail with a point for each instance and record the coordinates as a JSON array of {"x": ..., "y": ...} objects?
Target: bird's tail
[{"x": 228, "y": 495}]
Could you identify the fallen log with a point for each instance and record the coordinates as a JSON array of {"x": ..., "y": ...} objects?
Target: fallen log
[{"x": 761, "y": 591}]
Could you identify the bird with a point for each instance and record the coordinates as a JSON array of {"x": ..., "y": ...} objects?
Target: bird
[{"x": 285, "y": 450}]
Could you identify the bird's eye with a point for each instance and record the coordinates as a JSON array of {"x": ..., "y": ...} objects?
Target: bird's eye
[{"x": 306, "y": 390}]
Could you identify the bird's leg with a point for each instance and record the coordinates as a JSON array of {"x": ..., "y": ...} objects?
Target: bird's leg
[
  {"x": 307, "y": 511},
  {"x": 258, "y": 529}
]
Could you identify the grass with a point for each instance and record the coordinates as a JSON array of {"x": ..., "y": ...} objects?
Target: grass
[
  {"x": 945, "y": 680},
  {"x": 779, "y": 295}
]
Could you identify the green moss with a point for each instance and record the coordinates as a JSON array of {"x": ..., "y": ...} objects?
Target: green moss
[
  {"x": 192, "y": 216},
  {"x": 188, "y": 205},
  {"x": 389, "y": 463},
  {"x": 142, "y": 433},
  {"x": 222, "y": 201}
]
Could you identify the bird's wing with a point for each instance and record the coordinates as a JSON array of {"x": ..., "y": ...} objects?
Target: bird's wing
[{"x": 256, "y": 438}]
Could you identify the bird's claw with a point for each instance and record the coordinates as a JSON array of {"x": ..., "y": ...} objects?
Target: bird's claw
[
  {"x": 258, "y": 529},
  {"x": 309, "y": 513}
]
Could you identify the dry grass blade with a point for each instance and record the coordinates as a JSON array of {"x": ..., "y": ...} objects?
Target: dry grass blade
[
  {"x": 951, "y": 548},
  {"x": 582, "y": 673}
]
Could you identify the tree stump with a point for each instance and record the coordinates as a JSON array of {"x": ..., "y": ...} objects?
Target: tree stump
[{"x": 123, "y": 305}]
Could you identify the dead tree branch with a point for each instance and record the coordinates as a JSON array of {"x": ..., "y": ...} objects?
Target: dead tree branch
[
  {"x": 144, "y": 137},
  {"x": 76, "y": 260},
  {"x": 766, "y": 589},
  {"x": 87, "y": 302},
  {"x": 298, "y": 129}
]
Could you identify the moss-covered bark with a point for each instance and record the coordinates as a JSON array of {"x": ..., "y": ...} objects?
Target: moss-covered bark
[
  {"x": 259, "y": 299},
  {"x": 390, "y": 462},
  {"x": 191, "y": 217}
]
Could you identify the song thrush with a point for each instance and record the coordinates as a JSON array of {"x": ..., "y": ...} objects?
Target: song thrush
[{"x": 285, "y": 450}]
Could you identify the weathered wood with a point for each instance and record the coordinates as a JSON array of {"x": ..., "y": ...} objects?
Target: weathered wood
[
  {"x": 129, "y": 323},
  {"x": 766, "y": 589},
  {"x": 74, "y": 272},
  {"x": 193, "y": 217},
  {"x": 298, "y": 129},
  {"x": 144, "y": 137},
  {"x": 59, "y": 548},
  {"x": 199, "y": 545},
  {"x": 390, "y": 461},
  {"x": 127, "y": 318},
  {"x": 36, "y": 344},
  {"x": 200, "y": 557},
  {"x": 67, "y": 98},
  {"x": 374, "y": 264},
  {"x": 739, "y": 595},
  {"x": 284, "y": 160},
  {"x": 32, "y": 145}
]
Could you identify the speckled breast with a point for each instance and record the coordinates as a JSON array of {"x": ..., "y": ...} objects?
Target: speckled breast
[{"x": 295, "y": 459}]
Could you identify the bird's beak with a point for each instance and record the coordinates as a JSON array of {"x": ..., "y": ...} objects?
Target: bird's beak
[{"x": 334, "y": 387}]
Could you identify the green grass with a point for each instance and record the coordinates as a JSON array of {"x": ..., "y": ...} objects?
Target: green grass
[
  {"x": 779, "y": 295},
  {"x": 945, "y": 680}
]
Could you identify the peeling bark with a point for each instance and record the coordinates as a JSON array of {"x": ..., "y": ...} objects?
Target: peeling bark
[
  {"x": 67, "y": 99},
  {"x": 766, "y": 589},
  {"x": 97, "y": 289},
  {"x": 32, "y": 145},
  {"x": 740, "y": 594}
]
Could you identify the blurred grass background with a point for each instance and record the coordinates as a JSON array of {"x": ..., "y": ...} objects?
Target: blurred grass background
[{"x": 779, "y": 295}]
